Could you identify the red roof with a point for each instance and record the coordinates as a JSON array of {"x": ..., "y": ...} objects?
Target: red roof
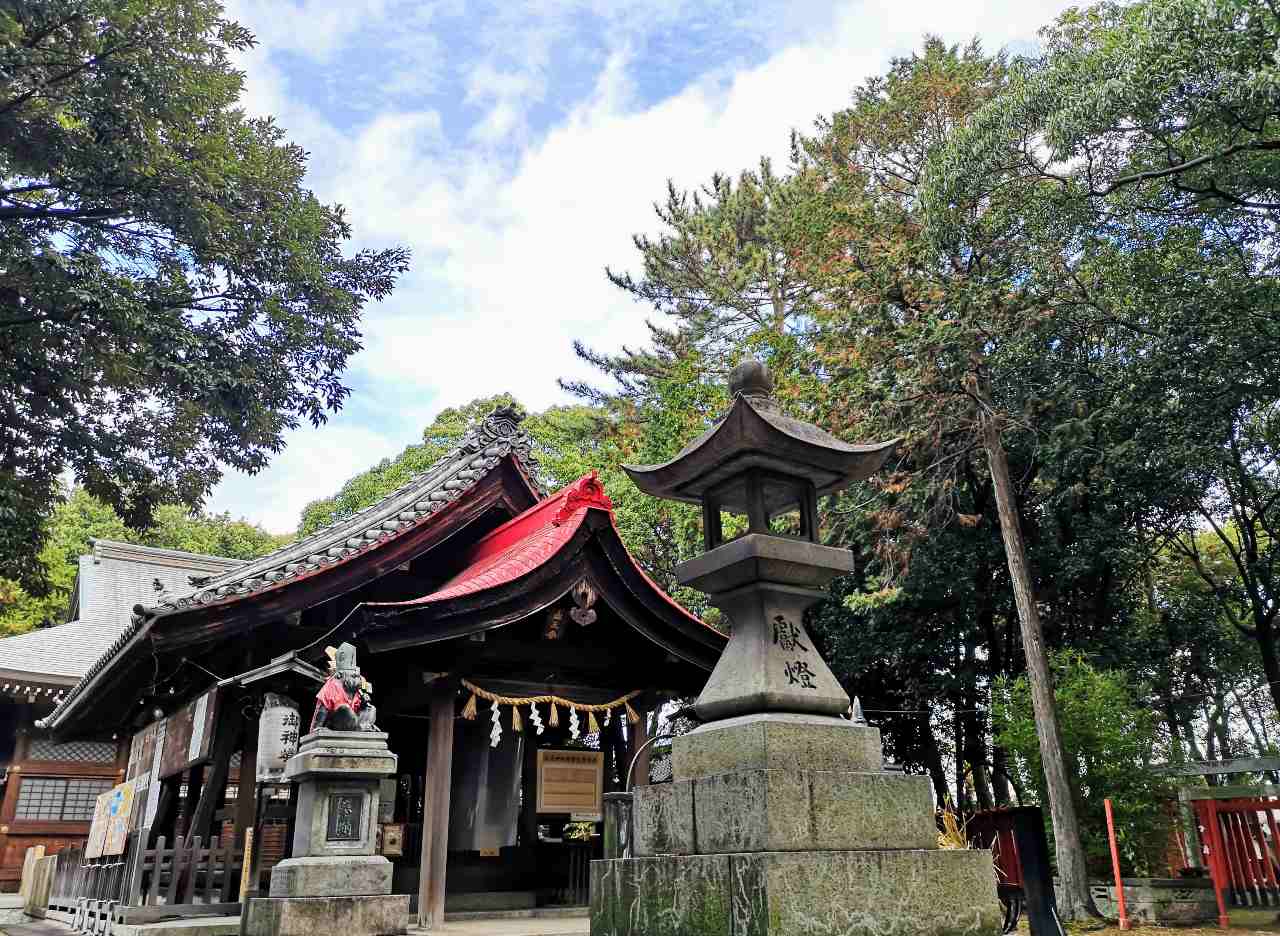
[{"x": 529, "y": 540}]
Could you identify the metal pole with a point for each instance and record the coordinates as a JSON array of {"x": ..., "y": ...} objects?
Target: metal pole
[{"x": 1115, "y": 865}]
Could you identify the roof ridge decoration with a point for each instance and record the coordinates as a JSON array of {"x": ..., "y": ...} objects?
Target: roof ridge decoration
[
  {"x": 499, "y": 434},
  {"x": 587, "y": 491}
]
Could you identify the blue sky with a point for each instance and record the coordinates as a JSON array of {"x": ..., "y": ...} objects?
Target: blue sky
[{"x": 515, "y": 147}]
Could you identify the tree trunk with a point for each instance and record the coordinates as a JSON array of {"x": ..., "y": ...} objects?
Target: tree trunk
[
  {"x": 1075, "y": 900},
  {"x": 1000, "y": 776},
  {"x": 1270, "y": 661},
  {"x": 933, "y": 759}
]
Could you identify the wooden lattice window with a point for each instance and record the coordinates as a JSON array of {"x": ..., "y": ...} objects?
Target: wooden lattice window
[{"x": 57, "y": 800}]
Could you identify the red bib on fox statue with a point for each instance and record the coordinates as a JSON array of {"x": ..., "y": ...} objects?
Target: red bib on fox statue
[{"x": 343, "y": 702}]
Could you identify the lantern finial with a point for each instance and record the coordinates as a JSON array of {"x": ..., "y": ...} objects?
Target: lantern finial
[{"x": 751, "y": 379}]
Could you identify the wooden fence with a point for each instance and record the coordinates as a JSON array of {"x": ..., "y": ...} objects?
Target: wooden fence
[
  {"x": 147, "y": 885},
  {"x": 1241, "y": 839}
]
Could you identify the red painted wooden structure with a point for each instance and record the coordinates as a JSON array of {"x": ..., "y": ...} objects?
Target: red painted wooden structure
[{"x": 1241, "y": 841}]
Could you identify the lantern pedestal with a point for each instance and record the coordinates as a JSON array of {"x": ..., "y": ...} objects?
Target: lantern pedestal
[
  {"x": 781, "y": 824},
  {"x": 334, "y": 880}
]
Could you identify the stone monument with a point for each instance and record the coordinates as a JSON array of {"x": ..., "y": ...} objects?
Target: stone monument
[
  {"x": 781, "y": 819},
  {"x": 334, "y": 882}
]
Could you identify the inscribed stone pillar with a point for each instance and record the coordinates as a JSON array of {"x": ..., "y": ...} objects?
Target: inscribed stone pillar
[{"x": 334, "y": 881}]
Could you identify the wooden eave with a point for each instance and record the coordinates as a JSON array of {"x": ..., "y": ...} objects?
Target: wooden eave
[
  {"x": 595, "y": 553},
  {"x": 203, "y": 626}
]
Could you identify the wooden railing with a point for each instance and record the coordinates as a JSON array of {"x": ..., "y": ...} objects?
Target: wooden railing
[{"x": 147, "y": 885}]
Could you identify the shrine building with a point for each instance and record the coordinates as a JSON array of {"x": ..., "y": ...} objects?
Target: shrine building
[
  {"x": 515, "y": 650},
  {"x": 49, "y": 787}
]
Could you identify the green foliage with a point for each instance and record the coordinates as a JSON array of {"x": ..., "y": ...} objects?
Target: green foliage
[
  {"x": 80, "y": 518},
  {"x": 176, "y": 527},
  {"x": 1112, "y": 742},
  {"x": 172, "y": 299}
]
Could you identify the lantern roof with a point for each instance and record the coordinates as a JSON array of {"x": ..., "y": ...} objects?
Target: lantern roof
[{"x": 755, "y": 434}]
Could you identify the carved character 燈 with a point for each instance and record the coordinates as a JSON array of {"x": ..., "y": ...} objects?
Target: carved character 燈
[{"x": 344, "y": 702}]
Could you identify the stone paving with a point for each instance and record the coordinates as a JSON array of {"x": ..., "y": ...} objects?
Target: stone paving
[{"x": 572, "y": 926}]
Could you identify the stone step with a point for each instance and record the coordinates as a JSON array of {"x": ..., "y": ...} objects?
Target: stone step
[
  {"x": 543, "y": 913},
  {"x": 490, "y": 900}
]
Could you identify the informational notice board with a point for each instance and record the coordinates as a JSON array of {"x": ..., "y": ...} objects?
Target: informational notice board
[
  {"x": 145, "y": 754},
  {"x": 571, "y": 782},
  {"x": 189, "y": 735},
  {"x": 110, "y": 827}
]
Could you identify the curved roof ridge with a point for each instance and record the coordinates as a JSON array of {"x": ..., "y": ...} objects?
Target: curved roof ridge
[{"x": 484, "y": 444}]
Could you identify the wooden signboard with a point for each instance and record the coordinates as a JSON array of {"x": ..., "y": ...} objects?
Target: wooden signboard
[
  {"x": 189, "y": 735},
  {"x": 571, "y": 782},
  {"x": 144, "y": 763},
  {"x": 98, "y": 828},
  {"x": 119, "y": 812}
]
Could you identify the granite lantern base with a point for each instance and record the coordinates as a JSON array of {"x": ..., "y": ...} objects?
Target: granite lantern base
[
  {"x": 334, "y": 881},
  {"x": 787, "y": 825}
]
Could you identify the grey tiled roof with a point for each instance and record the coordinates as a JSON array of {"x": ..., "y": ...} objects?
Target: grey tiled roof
[
  {"x": 66, "y": 650},
  {"x": 499, "y": 434},
  {"x": 480, "y": 451},
  {"x": 113, "y": 578}
]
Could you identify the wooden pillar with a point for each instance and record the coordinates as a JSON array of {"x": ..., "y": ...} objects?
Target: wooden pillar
[
  {"x": 246, "y": 786},
  {"x": 435, "y": 808},
  {"x": 639, "y": 735},
  {"x": 187, "y": 808},
  {"x": 165, "y": 822},
  {"x": 529, "y": 799},
  {"x": 227, "y": 735}
]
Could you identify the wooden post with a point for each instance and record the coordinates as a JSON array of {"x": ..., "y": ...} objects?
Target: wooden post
[
  {"x": 227, "y": 735},
  {"x": 246, "y": 788},
  {"x": 195, "y": 790},
  {"x": 639, "y": 753},
  {"x": 529, "y": 799},
  {"x": 435, "y": 808}
]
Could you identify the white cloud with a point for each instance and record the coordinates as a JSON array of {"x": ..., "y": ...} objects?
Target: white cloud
[{"x": 509, "y": 258}]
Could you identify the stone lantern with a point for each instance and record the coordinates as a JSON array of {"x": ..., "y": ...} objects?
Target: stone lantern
[
  {"x": 780, "y": 818},
  {"x": 759, "y": 473}
]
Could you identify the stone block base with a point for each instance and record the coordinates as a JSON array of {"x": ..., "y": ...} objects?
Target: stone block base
[
  {"x": 775, "y": 741},
  {"x": 355, "y": 876},
  {"x": 1161, "y": 901},
  {"x": 383, "y": 915},
  {"x": 784, "y": 810},
  {"x": 834, "y": 893}
]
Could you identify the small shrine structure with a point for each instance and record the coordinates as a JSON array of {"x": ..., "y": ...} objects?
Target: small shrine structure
[{"x": 513, "y": 645}]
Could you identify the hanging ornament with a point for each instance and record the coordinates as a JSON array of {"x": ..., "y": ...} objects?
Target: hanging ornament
[
  {"x": 608, "y": 713},
  {"x": 516, "y": 723},
  {"x": 495, "y": 733},
  {"x": 555, "y": 716},
  {"x": 584, "y": 596},
  {"x": 573, "y": 723},
  {"x": 535, "y": 717},
  {"x": 469, "y": 710},
  {"x": 632, "y": 715},
  {"x": 593, "y": 727}
]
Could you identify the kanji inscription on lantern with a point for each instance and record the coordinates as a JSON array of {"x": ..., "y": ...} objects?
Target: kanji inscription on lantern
[
  {"x": 344, "y": 817},
  {"x": 787, "y": 635},
  {"x": 289, "y": 724},
  {"x": 799, "y": 674}
]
